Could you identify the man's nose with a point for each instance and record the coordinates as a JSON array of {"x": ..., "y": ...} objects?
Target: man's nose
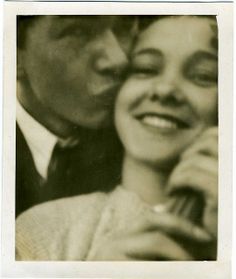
[
  {"x": 111, "y": 59},
  {"x": 167, "y": 88}
]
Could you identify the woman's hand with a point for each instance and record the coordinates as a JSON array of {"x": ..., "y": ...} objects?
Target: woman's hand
[
  {"x": 198, "y": 170},
  {"x": 156, "y": 238},
  {"x": 166, "y": 236}
]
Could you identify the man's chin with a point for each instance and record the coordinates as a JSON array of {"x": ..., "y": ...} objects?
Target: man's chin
[{"x": 99, "y": 123}]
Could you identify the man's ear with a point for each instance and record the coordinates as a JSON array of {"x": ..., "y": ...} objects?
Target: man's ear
[{"x": 20, "y": 64}]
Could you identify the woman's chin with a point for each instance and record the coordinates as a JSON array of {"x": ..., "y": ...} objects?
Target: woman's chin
[{"x": 159, "y": 159}]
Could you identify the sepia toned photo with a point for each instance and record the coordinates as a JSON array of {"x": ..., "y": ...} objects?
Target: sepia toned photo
[
  {"x": 154, "y": 80},
  {"x": 117, "y": 140}
]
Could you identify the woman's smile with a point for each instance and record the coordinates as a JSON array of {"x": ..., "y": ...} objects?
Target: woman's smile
[
  {"x": 162, "y": 120},
  {"x": 159, "y": 121}
]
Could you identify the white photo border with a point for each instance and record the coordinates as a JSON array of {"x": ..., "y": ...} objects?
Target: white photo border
[{"x": 219, "y": 269}]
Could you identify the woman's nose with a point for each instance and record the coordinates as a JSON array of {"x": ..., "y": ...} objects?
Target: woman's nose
[
  {"x": 167, "y": 88},
  {"x": 111, "y": 60}
]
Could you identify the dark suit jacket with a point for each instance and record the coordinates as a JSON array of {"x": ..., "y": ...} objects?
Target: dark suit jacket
[{"x": 95, "y": 166}]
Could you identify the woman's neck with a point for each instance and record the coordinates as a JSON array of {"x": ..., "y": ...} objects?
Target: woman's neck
[{"x": 145, "y": 180}]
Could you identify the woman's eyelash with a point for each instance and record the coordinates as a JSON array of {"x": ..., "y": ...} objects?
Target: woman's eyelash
[
  {"x": 203, "y": 78},
  {"x": 148, "y": 70},
  {"x": 206, "y": 76}
]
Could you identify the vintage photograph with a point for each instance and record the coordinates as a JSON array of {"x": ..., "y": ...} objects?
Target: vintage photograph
[{"x": 117, "y": 140}]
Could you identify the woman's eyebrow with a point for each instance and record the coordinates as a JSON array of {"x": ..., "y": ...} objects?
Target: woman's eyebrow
[{"x": 151, "y": 51}]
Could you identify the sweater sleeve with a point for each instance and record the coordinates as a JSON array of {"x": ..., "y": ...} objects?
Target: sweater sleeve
[{"x": 58, "y": 230}]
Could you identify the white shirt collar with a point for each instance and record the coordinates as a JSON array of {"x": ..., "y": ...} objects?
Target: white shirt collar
[{"x": 41, "y": 141}]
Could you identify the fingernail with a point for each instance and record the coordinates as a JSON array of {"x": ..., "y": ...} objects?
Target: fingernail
[
  {"x": 202, "y": 234},
  {"x": 159, "y": 208}
]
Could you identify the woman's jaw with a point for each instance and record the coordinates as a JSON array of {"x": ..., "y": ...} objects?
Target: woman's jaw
[{"x": 157, "y": 136}]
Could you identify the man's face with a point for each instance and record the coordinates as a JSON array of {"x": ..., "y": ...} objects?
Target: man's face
[{"x": 73, "y": 66}]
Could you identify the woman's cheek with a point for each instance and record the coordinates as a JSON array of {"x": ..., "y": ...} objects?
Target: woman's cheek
[
  {"x": 133, "y": 90},
  {"x": 203, "y": 101},
  {"x": 125, "y": 94}
]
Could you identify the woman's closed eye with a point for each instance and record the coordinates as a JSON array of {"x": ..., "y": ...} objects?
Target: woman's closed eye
[
  {"x": 145, "y": 66},
  {"x": 143, "y": 71},
  {"x": 202, "y": 71},
  {"x": 203, "y": 78}
]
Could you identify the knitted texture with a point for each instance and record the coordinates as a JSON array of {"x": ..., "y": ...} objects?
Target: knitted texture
[
  {"x": 58, "y": 230},
  {"x": 73, "y": 228}
]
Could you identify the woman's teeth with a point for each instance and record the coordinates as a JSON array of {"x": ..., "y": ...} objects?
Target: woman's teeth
[{"x": 159, "y": 122}]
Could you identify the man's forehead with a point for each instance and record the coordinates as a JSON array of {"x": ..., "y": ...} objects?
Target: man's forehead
[
  {"x": 121, "y": 25},
  {"x": 100, "y": 20},
  {"x": 82, "y": 18}
]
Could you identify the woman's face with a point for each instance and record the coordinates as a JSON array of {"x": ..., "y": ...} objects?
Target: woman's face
[{"x": 170, "y": 96}]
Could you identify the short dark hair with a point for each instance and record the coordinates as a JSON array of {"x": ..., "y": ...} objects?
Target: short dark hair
[{"x": 23, "y": 23}]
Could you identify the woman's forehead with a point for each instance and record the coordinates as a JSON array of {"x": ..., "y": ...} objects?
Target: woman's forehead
[{"x": 183, "y": 31}]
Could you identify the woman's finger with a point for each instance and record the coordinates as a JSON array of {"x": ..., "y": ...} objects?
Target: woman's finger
[
  {"x": 154, "y": 246},
  {"x": 170, "y": 224},
  {"x": 143, "y": 246},
  {"x": 206, "y": 144},
  {"x": 199, "y": 173}
]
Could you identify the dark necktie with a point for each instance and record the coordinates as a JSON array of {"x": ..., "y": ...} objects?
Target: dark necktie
[{"x": 59, "y": 170}]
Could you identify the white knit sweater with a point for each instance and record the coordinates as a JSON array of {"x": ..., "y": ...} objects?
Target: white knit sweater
[{"x": 71, "y": 228}]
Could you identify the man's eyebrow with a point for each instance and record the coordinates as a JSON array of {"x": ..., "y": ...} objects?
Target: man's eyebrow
[
  {"x": 151, "y": 51},
  {"x": 74, "y": 20},
  {"x": 61, "y": 29}
]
